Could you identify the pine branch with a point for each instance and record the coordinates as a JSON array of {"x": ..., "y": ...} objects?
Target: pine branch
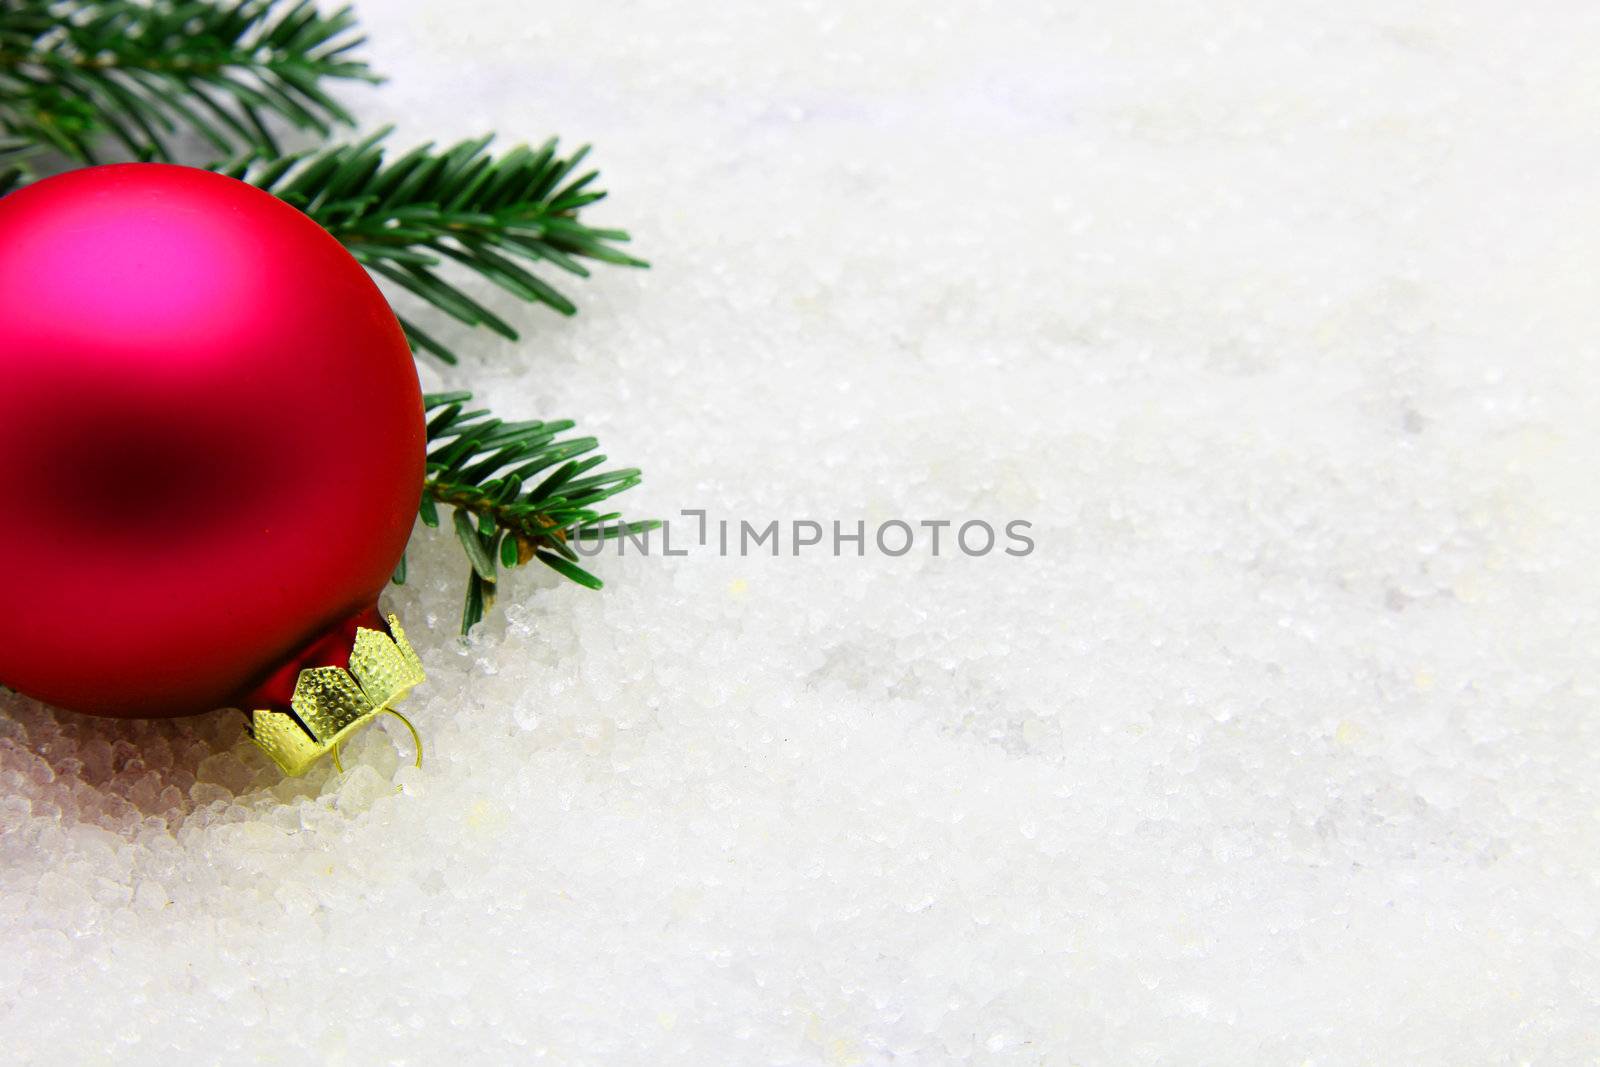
[
  {"x": 407, "y": 217},
  {"x": 479, "y": 466},
  {"x": 139, "y": 73}
]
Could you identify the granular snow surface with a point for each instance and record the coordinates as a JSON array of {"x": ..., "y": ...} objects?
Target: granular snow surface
[{"x": 1277, "y": 324}]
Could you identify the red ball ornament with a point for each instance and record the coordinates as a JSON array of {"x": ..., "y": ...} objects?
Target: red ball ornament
[{"x": 211, "y": 443}]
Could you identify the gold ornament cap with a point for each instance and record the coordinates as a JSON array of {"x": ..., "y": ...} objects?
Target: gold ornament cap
[{"x": 331, "y": 703}]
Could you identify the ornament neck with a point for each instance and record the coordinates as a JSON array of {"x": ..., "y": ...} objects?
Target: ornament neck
[
  {"x": 331, "y": 701},
  {"x": 331, "y": 648}
]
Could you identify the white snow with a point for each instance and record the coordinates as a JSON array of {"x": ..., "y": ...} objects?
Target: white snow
[{"x": 1276, "y": 321}]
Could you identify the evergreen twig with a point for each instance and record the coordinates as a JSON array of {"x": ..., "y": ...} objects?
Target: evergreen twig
[
  {"x": 481, "y": 467},
  {"x": 73, "y": 74},
  {"x": 404, "y": 218}
]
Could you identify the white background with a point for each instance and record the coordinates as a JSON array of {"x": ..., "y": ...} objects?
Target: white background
[{"x": 1276, "y": 320}]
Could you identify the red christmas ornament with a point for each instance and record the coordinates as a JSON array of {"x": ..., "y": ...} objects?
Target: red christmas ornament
[{"x": 211, "y": 443}]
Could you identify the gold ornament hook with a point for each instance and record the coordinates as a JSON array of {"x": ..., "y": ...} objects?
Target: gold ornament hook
[{"x": 416, "y": 739}]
